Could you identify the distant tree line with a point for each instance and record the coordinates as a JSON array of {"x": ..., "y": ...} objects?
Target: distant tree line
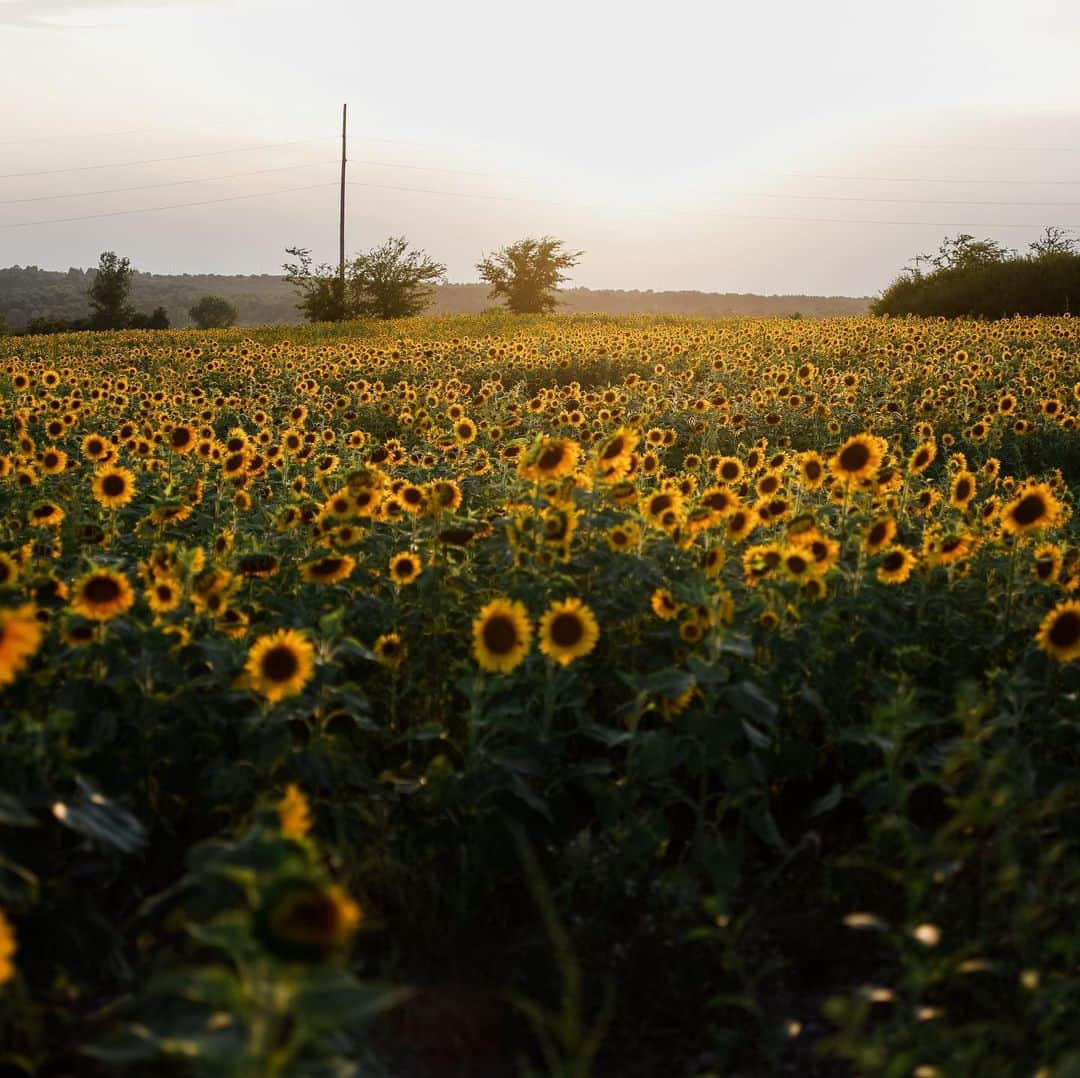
[{"x": 970, "y": 278}]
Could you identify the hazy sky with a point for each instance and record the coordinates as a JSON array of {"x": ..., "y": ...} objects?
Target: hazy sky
[{"x": 752, "y": 147}]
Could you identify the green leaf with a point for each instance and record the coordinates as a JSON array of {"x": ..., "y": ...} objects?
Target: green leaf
[
  {"x": 92, "y": 814},
  {"x": 342, "y": 1001}
]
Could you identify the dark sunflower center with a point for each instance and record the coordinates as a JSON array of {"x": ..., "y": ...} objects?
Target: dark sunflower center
[
  {"x": 797, "y": 564},
  {"x": 612, "y": 449},
  {"x": 1030, "y": 510},
  {"x": 730, "y": 470},
  {"x": 101, "y": 589},
  {"x": 963, "y": 490},
  {"x": 567, "y": 629},
  {"x": 1065, "y": 632},
  {"x": 878, "y": 533},
  {"x": 327, "y": 567},
  {"x": 180, "y": 437},
  {"x": 813, "y": 469},
  {"x": 113, "y": 485},
  {"x": 1044, "y": 568},
  {"x": 550, "y": 458},
  {"x": 280, "y": 663},
  {"x": 500, "y": 635},
  {"x": 659, "y": 504},
  {"x": 164, "y": 592},
  {"x": 855, "y": 457},
  {"x": 43, "y": 512},
  {"x": 893, "y": 562},
  {"x": 234, "y": 463},
  {"x": 921, "y": 458}
]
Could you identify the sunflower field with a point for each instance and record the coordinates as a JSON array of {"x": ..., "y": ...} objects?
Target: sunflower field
[{"x": 571, "y": 696}]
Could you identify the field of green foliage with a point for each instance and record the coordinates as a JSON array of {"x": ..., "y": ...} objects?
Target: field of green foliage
[{"x": 572, "y": 696}]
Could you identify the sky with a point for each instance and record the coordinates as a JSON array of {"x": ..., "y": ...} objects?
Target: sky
[{"x": 768, "y": 147}]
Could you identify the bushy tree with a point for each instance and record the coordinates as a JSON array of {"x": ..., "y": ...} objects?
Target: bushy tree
[
  {"x": 321, "y": 297},
  {"x": 109, "y": 291},
  {"x": 158, "y": 318},
  {"x": 527, "y": 273},
  {"x": 387, "y": 282},
  {"x": 973, "y": 278},
  {"x": 390, "y": 281},
  {"x": 213, "y": 312}
]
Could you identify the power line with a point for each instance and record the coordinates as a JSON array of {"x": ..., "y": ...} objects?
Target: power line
[
  {"x": 924, "y": 179},
  {"x": 155, "y": 186},
  {"x": 158, "y": 160},
  {"x": 897, "y": 201},
  {"x": 67, "y": 137},
  {"x": 173, "y": 206}
]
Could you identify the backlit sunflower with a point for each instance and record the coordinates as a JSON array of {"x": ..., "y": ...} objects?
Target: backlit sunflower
[
  {"x": 306, "y": 921},
  {"x": 389, "y": 650},
  {"x": 858, "y": 458},
  {"x": 20, "y": 638},
  {"x": 963, "y": 490},
  {"x": 896, "y": 566},
  {"x": 280, "y": 664},
  {"x": 501, "y": 636},
  {"x": 1032, "y": 508},
  {"x": 113, "y": 487},
  {"x": 1059, "y": 633},
  {"x": 568, "y": 631},
  {"x": 551, "y": 458},
  {"x": 405, "y": 568},
  {"x": 101, "y": 594},
  {"x": 330, "y": 569}
]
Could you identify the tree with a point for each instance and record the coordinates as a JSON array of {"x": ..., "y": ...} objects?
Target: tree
[
  {"x": 4, "y": 331},
  {"x": 384, "y": 283},
  {"x": 388, "y": 283},
  {"x": 527, "y": 273},
  {"x": 1053, "y": 241},
  {"x": 109, "y": 293},
  {"x": 213, "y": 312},
  {"x": 157, "y": 319},
  {"x": 321, "y": 299}
]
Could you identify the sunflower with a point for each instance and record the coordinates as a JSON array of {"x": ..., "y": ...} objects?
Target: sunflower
[
  {"x": 182, "y": 438},
  {"x": 811, "y": 470},
  {"x": 880, "y": 534},
  {"x": 53, "y": 461},
  {"x": 858, "y": 458},
  {"x": 102, "y": 594},
  {"x": 330, "y": 569},
  {"x": 94, "y": 447},
  {"x": 9, "y": 570},
  {"x": 664, "y": 605},
  {"x": 405, "y": 568},
  {"x": 389, "y": 650},
  {"x": 20, "y": 637},
  {"x": 302, "y": 920},
  {"x": 896, "y": 566},
  {"x": 1033, "y": 507},
  {"x": 623, "y": 537},
  {"x": 280, "y": 664},
  {"x": 551, "y": 458},
  {"x": 501, "y": 636},
  {"x": 164, "y": 594},
  {"x": 1049, "y": 559},
  {"x": 922, "y": 458},
  {"x": 568, "y": 631},
  {"x": 728, "y": 469},
  {"x": 294, "y": 813},
  {"x": 615, "y": 454},
  {"x": 46, "y": 515},
  {"x": 1059, "y": 633},
  {"x": 962, "y": 490},
  {"x": 8, "y": 947},
  {"x": 113, "y": 487},
  {"x": 740, "y": 524}
]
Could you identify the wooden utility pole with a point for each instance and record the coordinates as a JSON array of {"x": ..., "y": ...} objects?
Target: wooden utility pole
[{"x": 341, "y": 236}]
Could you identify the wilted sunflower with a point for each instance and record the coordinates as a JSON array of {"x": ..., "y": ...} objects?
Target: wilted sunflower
[
  {"x": 501, "y": 636},
  {"x": 1059, "y": 633},
  {"x": 858, "y": 458},
  {"x": 330, "y": 569},
  {"x": 102, "y": 594},
  {"x": 896, "y": 566},
  {"x": 113, "y": 487},
  {"x": 568, "y": 631},
  {"x": 20, "y": 638},
  {"x": 1033, "y": 507},
  {"x": 280, "y": 664},
  {"x": 405, "y": 568}
]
